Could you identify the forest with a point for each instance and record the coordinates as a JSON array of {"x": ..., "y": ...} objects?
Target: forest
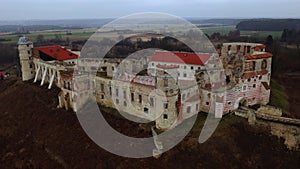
[{"x": 268, "y": 24}]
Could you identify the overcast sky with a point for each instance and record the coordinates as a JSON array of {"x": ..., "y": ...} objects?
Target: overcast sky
[{"x": 73, "y": 9}]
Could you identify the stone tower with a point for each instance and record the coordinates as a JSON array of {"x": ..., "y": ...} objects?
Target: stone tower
[
  {"x": 166, "y": 83},
  {"x": 25, "y": 47}
]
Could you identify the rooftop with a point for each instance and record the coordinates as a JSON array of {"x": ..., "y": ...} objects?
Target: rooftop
[
  {"x": 259, "y": 55},
  {"x": 57, "y": 52},
  {"x": 181, "y": 57},
  {"x": 24, "y": 41}
]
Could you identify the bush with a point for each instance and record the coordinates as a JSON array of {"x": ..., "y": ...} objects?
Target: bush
[{"x": 278, "y": 96}]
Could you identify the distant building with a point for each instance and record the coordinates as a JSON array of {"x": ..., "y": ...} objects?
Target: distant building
[
  {"x": 4, "y": 75},
  {"x": 178, "y": 84}
]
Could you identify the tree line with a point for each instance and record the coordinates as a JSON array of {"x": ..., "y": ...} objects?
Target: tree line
[{"x": 268, "y": 25}]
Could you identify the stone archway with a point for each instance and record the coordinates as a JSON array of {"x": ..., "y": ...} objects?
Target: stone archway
[{"x": 242, "y": 101}]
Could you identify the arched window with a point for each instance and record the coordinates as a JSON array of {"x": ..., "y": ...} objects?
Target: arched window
[
  {"x": 264, "y": 64},
  {"x": 69, "y": 85},
  {"x": 229, "y": 47}
]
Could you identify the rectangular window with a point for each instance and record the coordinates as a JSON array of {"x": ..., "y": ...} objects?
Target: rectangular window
[
  {"x": 117, "y": 92},
  {"x": 117, "y": 101},
  {"x": 140, "y": 98},
  {"x": 183, "y": 97},
  {"x": 165, "y": 116},
  {"x": 151, "y": 101},
  {"x": 165, "y": 82},
  {"x": 124, "y": 94},
  {"x": 166, "y": 105},
  {"x": 197, "y": 107},
  {"x": 132, "y": 97},
  {"x": 188, "y": 110},
  {"x": 125, "y": 104},
  {"x": 244, "y": 88},
  {"x": 248, "y": 49},
  {"x": 110, "y": 91},
  {"x": 102, "y": 87}
]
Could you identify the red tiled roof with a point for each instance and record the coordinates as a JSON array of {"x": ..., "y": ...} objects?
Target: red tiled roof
[
  {"x": 3, "y": 73},
  {"x": 181, "y": 57},
  {"x": 57, "y": 52},
  {"x": 259, "y": 47},
  {"x": 259, "y": 56}
]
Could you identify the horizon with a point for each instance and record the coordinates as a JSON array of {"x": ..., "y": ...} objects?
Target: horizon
[
  {"x": 112, "y": 18},
  {"x": 11, "y": 10}
]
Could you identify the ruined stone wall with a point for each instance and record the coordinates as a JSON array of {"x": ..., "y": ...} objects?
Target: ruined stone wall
[{"x": 290, "y": 133}]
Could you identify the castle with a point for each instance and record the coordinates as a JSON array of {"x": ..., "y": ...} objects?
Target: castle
[{"x": 176, "y": 86}]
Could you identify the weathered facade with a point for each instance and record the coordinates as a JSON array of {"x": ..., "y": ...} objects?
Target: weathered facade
[{"x": 177, "y": 85}]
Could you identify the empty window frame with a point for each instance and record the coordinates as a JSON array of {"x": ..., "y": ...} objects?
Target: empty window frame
[{"x": 166, "y": 106}]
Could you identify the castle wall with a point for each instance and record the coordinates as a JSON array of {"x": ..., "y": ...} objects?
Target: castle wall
[
  {"x": 158, "y": 97},
  {"x": 26, "y": 61}
]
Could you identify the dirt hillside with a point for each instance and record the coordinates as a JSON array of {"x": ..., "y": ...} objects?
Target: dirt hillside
[{"x": 34, "y": 134}]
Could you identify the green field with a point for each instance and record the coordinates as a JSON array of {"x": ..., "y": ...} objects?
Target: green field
[
  {"x": 278, "y": 96},
  {"x": 262, "y": 34},
  {"x": 76, "y": 35},
  {"x": 83, "y": 34},
  {"x": 223, "y": 30}
]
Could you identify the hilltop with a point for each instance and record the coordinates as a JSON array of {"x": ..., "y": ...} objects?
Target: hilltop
[{"x": 35, "y": 134}]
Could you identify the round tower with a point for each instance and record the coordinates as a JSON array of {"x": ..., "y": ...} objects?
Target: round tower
[
  {"x": 166, "y": 82},
  {"x": 25, "y": 47}
]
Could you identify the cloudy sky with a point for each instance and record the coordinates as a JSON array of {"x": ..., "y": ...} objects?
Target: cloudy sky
[{"x": 73, "y": 9}]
